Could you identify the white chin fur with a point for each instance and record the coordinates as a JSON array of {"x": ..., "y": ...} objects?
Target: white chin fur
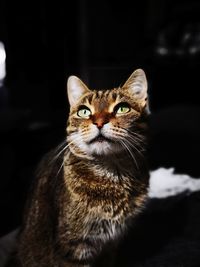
[{"x": 100, "y": 148}]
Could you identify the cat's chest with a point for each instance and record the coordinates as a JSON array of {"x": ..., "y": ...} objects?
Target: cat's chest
[
  {"x": 102, "y": 229},
  {"x": 103, "y": 194},
  {"x": 102, "y": 200},
  {"x": 105, "y": 212}
]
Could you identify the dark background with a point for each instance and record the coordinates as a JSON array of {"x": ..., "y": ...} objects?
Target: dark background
[{"x": 102, "y": 42}]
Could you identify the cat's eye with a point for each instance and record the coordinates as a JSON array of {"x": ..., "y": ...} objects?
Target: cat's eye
[
  {"x": 122, "y": 108},
  {"x": 84, "y": 112}
]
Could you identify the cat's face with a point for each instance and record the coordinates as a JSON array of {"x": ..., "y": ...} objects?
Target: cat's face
[{"x": 105, "y": 122}]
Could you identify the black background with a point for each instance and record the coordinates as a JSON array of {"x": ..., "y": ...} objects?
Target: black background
[{"x": 102, "y": 42}]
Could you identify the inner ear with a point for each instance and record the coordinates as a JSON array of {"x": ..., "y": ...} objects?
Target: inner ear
[
  {"x": 76, "y": 89},
  {"x": 137, "y": 85}
]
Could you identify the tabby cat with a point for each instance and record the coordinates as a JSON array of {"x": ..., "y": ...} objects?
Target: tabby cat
[{"x": 90, "y": 189}]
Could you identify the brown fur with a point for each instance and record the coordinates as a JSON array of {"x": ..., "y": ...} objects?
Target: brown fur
[{"x": 85, "y": 196}]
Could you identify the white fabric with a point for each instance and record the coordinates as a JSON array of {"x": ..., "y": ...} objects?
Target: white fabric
[{"x": 165, "y": 183}]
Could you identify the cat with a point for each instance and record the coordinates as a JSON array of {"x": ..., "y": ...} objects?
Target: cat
[{"x": 89, "y": 190}]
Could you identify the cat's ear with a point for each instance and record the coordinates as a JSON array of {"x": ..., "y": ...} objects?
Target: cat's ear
[
  {"x": 137, "y": 86},
  {"x": 75, "y": 90}
]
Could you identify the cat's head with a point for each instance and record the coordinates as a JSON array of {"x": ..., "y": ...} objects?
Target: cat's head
[{"x": 105, "y": 122}]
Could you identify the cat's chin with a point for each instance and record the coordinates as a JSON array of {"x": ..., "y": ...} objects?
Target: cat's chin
[
  {"x": 103, "y": 148},
  {"x": 99, "y": 146}
]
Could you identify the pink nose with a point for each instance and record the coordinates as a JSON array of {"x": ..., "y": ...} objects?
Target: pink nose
[
  {"x": 100, "y": 119},
  {"x": 99, "y": 123}
]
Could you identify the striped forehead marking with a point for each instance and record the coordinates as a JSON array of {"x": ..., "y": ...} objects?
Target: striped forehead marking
[{"x": 102, "y": 100}]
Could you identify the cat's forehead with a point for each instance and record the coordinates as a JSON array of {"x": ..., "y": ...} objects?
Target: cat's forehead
[
  {"x": 105, "y": 95},
  {"x": 103, "y": 99}
]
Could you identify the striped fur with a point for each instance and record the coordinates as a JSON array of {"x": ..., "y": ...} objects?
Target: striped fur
[{"x": 89, "y": 190}]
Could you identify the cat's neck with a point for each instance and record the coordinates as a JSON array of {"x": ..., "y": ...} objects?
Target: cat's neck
[{"x": 118, "y": 164}]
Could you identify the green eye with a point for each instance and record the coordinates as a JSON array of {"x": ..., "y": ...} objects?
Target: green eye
[
  {"x": 122, "y": 108},
  {"x": 84, "y": 112}
]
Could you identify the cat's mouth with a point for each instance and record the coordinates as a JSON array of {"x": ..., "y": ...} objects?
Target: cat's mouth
[{"x": 100, "y": 139}]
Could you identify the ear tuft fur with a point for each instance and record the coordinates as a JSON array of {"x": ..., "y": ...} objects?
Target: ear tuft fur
[
  {"x": 75, "y": 90},
  {"x": 137, "y": 86}
]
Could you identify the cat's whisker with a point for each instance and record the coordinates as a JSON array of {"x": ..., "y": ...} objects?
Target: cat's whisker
[
  {"x": 60, "y": 152},
  {"x": 129, "y": 151},
  {"x": 138, "y": 140},
  {"x": 60, "y": 146},
  {"x": 60, "y": 168},
  {"x": 134, "y": 141},
  {"x": 134, "y": 147},
  {"x": 57, "y": 151},
  {"x": 63, "y": 149},
  {"x": 138, "y": 136}
]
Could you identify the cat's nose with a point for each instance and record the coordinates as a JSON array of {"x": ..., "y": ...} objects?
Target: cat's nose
[
  {"x": 100, "y": 122},
  {"x": 100, "y": 119}
]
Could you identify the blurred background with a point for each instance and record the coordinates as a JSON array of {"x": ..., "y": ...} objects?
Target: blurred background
[{"x": 102, "y": 42}]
